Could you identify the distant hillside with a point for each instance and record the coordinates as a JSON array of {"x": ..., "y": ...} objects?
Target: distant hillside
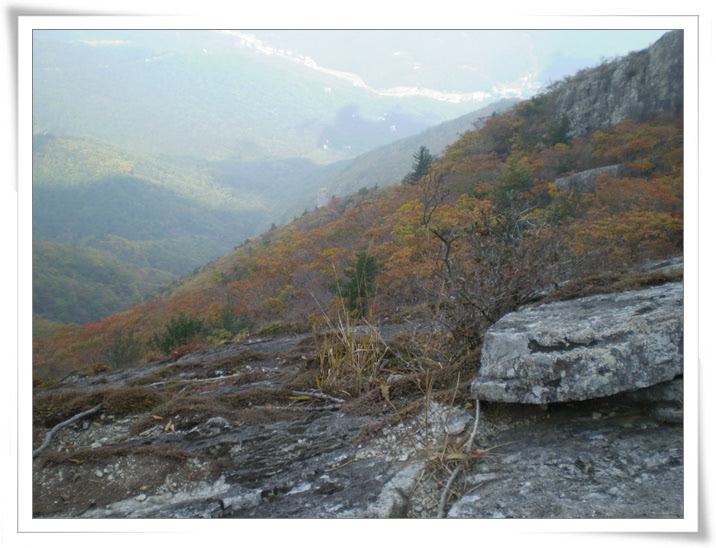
[
  {"x": 79, "y": 285},
  {"x": 125, "y": 224},
  {"x": 388, "y": 164},
  {"x": 172, "y": 215},
  {"x": 84, "y": 189}
]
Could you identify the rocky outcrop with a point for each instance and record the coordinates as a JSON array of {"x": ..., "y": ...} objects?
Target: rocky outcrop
[
  {"x": 311, "y": 466},
  {"x": 580, "y": 406},
  {"x": 317, "y": 464},
  {"x": 584, "y": 348},
  {"x": 607, "y": 457},
  {"x": 640, "y": 86},
  {"x": 607, "y": 436},
  {"x": 588, "y": 181}
]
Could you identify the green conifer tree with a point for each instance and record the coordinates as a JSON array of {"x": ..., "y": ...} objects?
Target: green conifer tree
[
  {"x": 421, "y": 166},
  {"x": 360, "y": 283}
]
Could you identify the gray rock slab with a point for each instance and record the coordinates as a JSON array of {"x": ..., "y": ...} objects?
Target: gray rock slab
[
  {"x": 670, "y": 391},
  {"x": 588, "y": 181},
  {"x": 584, "y": 348},
  {"x": 578, "y": 469},
  {"x": 311, "y": 467}
]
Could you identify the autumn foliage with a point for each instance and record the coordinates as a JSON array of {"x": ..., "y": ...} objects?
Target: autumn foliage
[{"x": 484, "y": 231}]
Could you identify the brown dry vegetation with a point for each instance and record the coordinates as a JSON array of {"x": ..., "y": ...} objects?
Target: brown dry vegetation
[
  {"x": 105, "y": 454},
  {"x": 479, "y": 235},
  {"x": 406, "y": 379}
]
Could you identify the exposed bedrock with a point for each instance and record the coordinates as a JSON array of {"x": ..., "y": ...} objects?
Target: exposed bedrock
[{"x": 584, "y": 348}]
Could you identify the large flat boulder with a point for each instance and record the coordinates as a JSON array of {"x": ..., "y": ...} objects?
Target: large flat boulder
[{"x": 584, "y": 348}]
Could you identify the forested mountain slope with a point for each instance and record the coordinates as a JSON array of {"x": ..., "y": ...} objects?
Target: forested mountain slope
[
  {"x": 165, "y": 216},
  {"x": 485, "y": 230},
  {"x": 101, "y": 204}
]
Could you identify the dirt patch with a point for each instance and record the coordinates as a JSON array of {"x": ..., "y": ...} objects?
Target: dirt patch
[{"x": 69, "y": 485}]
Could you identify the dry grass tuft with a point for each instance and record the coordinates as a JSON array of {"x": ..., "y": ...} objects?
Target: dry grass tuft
[
  {"x": 51, "y": 409},
  {"x": 54, "y": 408},
  {"x": 349, "y": 356},
  {"x": 239, "y": 359}
]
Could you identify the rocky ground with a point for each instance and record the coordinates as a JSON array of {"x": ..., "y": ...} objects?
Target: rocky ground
[
  {"x": 242, "y": 431},
  {"x": 235, "y": 431}
]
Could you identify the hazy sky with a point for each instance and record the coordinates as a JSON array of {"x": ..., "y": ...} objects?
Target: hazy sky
[
  {"x": 453, "y": 60},
  {"x": 449, "y": 64}
]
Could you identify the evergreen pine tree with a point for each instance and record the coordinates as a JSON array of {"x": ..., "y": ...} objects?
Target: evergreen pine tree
[{"x": 421, "y": 165}]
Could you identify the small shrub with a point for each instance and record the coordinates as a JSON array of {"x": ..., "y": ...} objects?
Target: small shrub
[
  {"x": 231, "y": 323},
  {"x": 98, "y": 367},
  {"x": 359, "y": 284},
  {"x": 123, "y": 349},
  {"x": 225, "y": 335},
  {"x": 557, "y": 132},
  {"x": 179, "y": 331},
  {"x": 276, "y": 328}
]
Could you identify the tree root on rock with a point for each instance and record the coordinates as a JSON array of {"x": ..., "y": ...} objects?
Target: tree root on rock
[{"x": 60, "y": 426}]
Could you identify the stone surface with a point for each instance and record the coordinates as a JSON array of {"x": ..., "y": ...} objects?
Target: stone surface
[
  {"x": 318, "y": 464},
  {"x": 588, "y": 181},
  {"x": 665, "y": 392},
  {"x": 575, "y": 466},
  {"x": 331, "y": 464},
  {"x": 584, "y": 348}
]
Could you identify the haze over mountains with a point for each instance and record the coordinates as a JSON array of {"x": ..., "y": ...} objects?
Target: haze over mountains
[
  {"x": 158, "y": 151},
  {"x": 212, "y": 103},
  {"x": 323, "y": 95}
]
